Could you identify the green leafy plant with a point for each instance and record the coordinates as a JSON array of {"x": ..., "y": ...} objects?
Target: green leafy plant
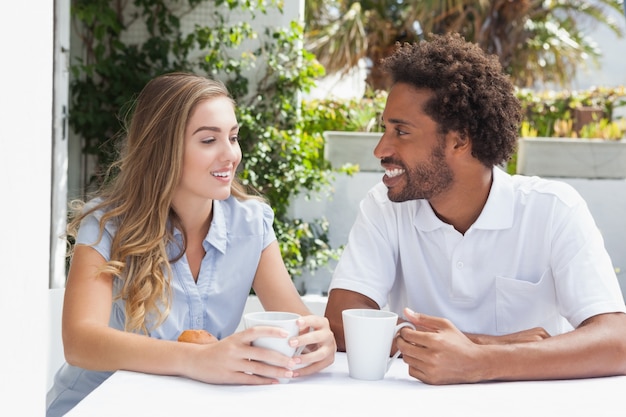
[
  {"x": 359, "y": 114},
  {"x": 546, "y": 114},
  {"x": 535, "y": 41},
  {"x": 281, "y": 159},
  {"x": 551, "y": 114},
  {"x": 604, "y": 129}
]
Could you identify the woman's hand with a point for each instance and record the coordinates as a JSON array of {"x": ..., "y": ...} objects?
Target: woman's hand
[
  {"x": 319, "y": 342},
  {"x": 233, "y": 360}
]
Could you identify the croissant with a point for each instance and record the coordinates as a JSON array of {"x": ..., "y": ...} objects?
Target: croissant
[{"x": 197, "y": 336}]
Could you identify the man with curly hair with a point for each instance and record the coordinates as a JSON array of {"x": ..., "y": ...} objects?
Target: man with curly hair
[{"x": 505, "y": 277}]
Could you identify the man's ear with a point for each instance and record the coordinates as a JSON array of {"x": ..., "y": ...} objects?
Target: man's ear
[{"x": 460, "y": 140}]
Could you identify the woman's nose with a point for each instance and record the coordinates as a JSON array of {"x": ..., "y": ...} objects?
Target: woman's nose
[{"x": 231, "y": 151}]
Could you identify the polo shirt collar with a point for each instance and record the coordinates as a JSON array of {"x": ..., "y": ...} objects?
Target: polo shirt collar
[{"x": 497, "y": 213}]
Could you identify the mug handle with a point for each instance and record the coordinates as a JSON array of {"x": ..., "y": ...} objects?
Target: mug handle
[{"x": 395, "y": 355}]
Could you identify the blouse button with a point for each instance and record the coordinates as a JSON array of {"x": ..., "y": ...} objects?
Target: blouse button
[{"x": 459, "y": 265}]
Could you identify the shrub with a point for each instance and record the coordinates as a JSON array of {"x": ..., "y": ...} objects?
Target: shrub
[
  {"x": 552, "y": 114},
  {"x": 280, "y": 159}
]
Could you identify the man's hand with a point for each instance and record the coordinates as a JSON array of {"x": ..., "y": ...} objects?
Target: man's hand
[{"x": 439, "y": 353}]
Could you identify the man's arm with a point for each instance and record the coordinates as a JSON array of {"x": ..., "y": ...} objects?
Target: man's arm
[
  {"x": 531, "y": 335},
  {"x": 339, "y": 300},
  {"x": 440, "y": 354}
]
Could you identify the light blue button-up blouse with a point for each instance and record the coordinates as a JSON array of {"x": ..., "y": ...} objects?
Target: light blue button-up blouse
[{"x": 239, "y": 232}]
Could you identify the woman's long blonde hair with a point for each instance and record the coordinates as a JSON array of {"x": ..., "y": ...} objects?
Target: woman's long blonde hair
[{"x": 138, "y": 199}]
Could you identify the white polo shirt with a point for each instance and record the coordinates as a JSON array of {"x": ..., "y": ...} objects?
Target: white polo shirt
[{"x": 534, "y": 257}]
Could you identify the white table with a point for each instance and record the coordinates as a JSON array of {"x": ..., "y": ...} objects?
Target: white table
[{"x": 333, "y": 393}]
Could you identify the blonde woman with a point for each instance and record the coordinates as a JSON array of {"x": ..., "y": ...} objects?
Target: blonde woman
[{"x": 175, "y": 243}]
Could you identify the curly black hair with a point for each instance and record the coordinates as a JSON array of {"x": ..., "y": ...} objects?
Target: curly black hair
[{"x": 472, "y": 95}]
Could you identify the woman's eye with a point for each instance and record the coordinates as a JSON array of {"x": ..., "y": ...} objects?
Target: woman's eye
[
  {"x": 208, "y": 140},
  {"x": 234, "y": 138}
]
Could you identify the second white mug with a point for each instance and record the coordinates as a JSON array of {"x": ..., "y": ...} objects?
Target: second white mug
[{"x": 368, "y": 335}]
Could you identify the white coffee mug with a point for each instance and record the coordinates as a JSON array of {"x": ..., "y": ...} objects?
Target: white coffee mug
[
  {"x": 368, "y": 335},
  {"x": 284, "y": 320}
]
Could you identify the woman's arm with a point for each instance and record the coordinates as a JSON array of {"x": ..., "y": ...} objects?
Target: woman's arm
[
  {"x": 91, "y": 344},
  {"x": 273, "y": 285},
  {"x": 276, "y": 291}
]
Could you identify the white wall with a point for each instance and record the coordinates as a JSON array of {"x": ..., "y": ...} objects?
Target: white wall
[
  {"x": 26, "y": 33},
  {"x": 339, "y": 205}
]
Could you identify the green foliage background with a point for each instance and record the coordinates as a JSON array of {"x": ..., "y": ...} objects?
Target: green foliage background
[
  {"x": 281, "y": 134},
  {"x": 281, "y": 159}
]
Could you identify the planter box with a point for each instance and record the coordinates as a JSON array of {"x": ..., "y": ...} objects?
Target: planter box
[
  {"x": 352, "y": 148},
  {"x": 572, "y": 158}
]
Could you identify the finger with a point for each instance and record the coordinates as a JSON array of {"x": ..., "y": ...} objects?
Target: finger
[
  {"x": 269, "y": 356},
  {"x": 408, "y": 346},
  {"x": 413, "y": 356},
  {"x": 313, "y": 352},
  {"x": 312, "y": 368},
  {"x": 248, "y": 350},
  {"x": 315, "y": 361},
  {"x": 418, "y": 373},
  {"x": 306, "y": 323},
  {"x": 251, "y": 334},
  {"x": 426, "y": 322},
  {"x": 267, "y": 370},
  {"x": 319, "y": 350},
  {"x": 313, "y": 330},
  {"x": 415, "y": 338},
  {"x": 246, "y": 374},
  {"x": 311, "y": 337}
]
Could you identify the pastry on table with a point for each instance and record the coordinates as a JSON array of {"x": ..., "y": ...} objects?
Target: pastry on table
[{"x": 199, "y": 336}]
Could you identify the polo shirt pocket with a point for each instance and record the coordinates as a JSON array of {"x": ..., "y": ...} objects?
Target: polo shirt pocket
[{"x": 522, "y": 305}]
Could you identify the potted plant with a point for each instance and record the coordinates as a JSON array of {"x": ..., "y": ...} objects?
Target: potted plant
[
  {"x": 345, "y": 148},
  {"x": 354, "y": 133},
  {"x": 588, "y": 145},
  {"x": 598, "y": 152}
]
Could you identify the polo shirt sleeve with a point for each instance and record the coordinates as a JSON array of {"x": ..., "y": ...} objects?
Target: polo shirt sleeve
[
  {"x": 585, "y": 279},
  {"x": 368, "y": 262}
]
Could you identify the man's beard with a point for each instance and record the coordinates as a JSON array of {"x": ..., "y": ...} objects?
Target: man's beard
[{"x": 425, "y": 181}]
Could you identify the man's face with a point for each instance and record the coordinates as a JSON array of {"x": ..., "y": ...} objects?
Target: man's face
[{"x": 411, "y": 150}]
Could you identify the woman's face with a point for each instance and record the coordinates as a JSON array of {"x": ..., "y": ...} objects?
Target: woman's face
[{"x": 212, "y": 151}]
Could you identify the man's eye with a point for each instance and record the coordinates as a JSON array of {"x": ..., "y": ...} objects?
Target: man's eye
[{"x": 400, "y": 132}]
